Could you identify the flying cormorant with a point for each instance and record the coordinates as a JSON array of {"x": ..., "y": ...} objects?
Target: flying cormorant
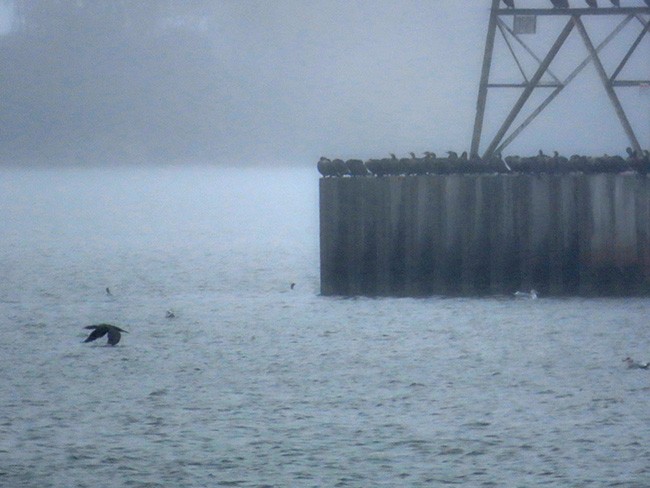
[{"x": 100, "y": 330}]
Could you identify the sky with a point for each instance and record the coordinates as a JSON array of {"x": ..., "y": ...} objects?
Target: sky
[{"x": 300, "y": 79}]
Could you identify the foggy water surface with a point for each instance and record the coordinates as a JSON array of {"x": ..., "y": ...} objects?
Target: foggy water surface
[{"x": 254, "y": 384}]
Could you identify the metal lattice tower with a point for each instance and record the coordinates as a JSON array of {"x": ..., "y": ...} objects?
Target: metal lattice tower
[{"x": 573, "y": 18}]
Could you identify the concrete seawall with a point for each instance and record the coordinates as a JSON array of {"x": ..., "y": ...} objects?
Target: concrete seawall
[{"x": 570, "y": 234}]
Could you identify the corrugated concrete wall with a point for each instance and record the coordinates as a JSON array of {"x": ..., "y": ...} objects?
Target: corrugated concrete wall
[{"x": 485, "y": 234}]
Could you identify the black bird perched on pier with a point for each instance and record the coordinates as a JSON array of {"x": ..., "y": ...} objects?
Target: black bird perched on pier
[
  {"x": 325, "y": 167},
  {"x": 100, "y": 330},
  {"x": 592, "y": 3},
  {"x": 511, "y": 3},
  {"x": 560, "y": 3}
]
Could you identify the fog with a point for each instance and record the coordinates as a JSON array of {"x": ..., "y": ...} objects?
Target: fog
[{"x": 286, "y": 81}]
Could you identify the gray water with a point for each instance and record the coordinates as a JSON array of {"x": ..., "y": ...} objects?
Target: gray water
[{"x": 254, "y": 384}]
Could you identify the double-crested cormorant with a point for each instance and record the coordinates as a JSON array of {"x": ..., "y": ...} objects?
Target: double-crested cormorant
[
  {"x": 356, "y": 167},
  {"x": 325, "y": 167},
  {"x": 100, "y": 330},
  {"x": 509, "y": 3}
]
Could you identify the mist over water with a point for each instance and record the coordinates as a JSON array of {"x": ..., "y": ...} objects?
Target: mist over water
[{"x": 254, "y": 384}]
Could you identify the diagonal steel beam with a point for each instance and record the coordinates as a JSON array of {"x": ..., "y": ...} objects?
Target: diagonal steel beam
[
  {"x": 563, "y": 84},
  {"x": 528, "y": 49},
  {"x": 529, "y": 88},
  {"x": 607, "y": 85},
  {"x": 629, "y": 52},
  {"x": 485, "y": 76},
  {"x": 512, "y": 51}
]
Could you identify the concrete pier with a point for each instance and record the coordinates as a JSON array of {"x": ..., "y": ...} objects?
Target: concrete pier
[{"x": 570, "y": 234}]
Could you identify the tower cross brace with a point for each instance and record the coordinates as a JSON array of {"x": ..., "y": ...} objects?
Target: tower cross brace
[{"x": 574, "y": 21}]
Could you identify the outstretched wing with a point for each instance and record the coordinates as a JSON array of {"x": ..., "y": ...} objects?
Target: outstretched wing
[
  {"x": 113, "y": 336},
  {"x": 99, "y": 331}
]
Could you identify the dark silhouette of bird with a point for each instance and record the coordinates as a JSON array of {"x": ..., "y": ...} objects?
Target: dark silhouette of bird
[
  {"x": 293, "y": 285},
  {"x": 592, "y": 3},
  {"x": 100, "y": 330},
  {"x": 108, "y": 291},
  {"x": 560, "y": 3},
  {"x": 509, "y": 3}
]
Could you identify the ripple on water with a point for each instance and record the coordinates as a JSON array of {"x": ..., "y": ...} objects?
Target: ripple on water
[{"x": 253, "y": 386}]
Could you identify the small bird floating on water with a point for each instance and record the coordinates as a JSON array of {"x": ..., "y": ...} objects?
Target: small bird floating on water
[
  {"x": 100, "y": 330},
  {"x": 532, "y": 295},
  {"x": 108, "y": 292},
  {"x": 293, "y": 285},
  {"x": 632, "y": 364}
]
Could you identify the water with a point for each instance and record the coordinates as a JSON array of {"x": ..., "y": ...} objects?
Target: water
[{"x": 254, "y": 384}]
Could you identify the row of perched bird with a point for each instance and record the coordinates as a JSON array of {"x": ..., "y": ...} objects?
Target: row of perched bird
[
  {"x": 431, "y": 164},
  {"x": 565, "y": 3}
]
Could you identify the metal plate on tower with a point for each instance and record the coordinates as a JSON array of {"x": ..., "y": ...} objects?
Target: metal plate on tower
[{"x": 525, "y": 24}]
